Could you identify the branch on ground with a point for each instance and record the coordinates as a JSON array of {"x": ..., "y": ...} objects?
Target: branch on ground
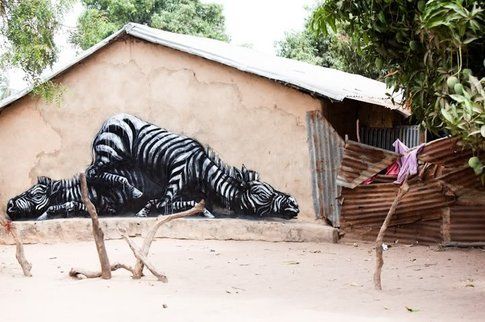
[{"x": 79, "y": 273}]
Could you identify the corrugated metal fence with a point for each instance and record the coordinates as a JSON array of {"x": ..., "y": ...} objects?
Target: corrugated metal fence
[
  {"x": 384, "y": 137},
  {"x": 326, "y": 148}
]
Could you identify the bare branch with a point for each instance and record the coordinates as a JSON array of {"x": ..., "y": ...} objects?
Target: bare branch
[
  {"x": 198, "y": 208},
  {"x": 77, "y": 273},
  {"x": 136, "y": 251},
  {"x": 380, "y": 237},
  {"x": 97, "y": 231}
]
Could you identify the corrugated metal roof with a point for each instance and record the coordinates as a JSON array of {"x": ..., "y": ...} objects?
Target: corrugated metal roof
[
  {"x": 446, "y": 152},
  {"x": 362, "y": 161},
  {"x": 331, "y": 83}
]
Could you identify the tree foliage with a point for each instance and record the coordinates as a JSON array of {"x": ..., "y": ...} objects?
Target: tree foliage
[
  {"x": 27, "y": 33},
  {"x": 433, "y": 50},
  {"x": 333, "y": 50},
  {"x": 305, "y": 46},
  {"x": 102, "y": 17}
]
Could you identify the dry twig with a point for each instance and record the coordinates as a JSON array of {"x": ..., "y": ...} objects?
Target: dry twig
[
  {"x": 140, "y": 254},
  {"x": 198, "y": 208},
  {"x": 77, "y": 273},
  {"x": 140, "y": 257}
]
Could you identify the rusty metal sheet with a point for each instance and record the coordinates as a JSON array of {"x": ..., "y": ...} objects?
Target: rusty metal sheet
[
  {"x": 371, "y": 201},
  {"x": 418, "y": 216},
  {"x": 361, "y": 161},
  {"x": 446, "y": 152},
  {"x": 467, "y": 223},
  {"x": 445, "y": 203},
  {"x": 326, "y": 154},
  {"x": 422, "y": 231},
  {"x": 463, "y": 181}
]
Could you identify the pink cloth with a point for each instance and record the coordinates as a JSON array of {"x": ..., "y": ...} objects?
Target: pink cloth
[
  {"x": 393, "y": 169},
  {"x": 408, "y": 163}
]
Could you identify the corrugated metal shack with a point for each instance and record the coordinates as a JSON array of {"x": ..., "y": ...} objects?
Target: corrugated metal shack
[{"x": 445, "y": 203}]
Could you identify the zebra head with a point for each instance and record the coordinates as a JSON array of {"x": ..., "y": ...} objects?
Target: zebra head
[
  {"x": 261, "y": 199},
  {"x": 33, "y": 202}
]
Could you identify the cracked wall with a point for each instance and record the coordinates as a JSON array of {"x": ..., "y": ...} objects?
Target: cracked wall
[{"x": 245, "y": 118}]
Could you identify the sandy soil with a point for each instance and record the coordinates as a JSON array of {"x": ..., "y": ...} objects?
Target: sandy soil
[{"x": 247, "y": 281}]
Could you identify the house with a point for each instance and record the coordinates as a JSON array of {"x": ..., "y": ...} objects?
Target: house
[{"x": 286, "y": 119}]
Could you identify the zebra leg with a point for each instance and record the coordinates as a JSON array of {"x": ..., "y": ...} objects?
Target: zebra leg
[
  {"x": 111, "y": 179},
  {"x": 185, "y": 205},
  {"x": 65, "y": 209},
  {"x": 173, "y": 188},
  {"x": 107, "y": 207}
]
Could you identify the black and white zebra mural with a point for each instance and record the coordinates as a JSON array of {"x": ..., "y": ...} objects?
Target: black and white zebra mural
[
  {"x": 140, "y": 166},
  {"x": 50, "y": 198}
]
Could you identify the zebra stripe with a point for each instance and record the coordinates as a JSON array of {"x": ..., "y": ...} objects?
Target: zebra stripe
[{"x": 176, "y": 162}]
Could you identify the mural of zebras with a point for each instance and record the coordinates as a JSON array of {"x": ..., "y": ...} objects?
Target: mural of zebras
[
  {"x": 50, "y": 198},
  {"x": 181, "y": 166}
]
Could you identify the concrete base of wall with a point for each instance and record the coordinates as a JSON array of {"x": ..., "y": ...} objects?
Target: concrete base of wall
[{"x": 79, "y": 229}]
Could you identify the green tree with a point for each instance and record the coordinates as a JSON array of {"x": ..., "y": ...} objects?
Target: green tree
[
  {"x": 333, "y": 50},
  {"x": 433, "y": 51},
  {"x": 27, "y": 29},
  {"x": 305, "y": 46},
  {"x": 103, "y": 17}
]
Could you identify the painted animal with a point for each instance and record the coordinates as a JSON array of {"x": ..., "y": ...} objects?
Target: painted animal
[
  {"x": 50, "y": 198},
  {"x": 180, "y": 165}
]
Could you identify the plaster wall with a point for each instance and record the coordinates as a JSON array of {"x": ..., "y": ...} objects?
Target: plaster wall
[{"x": 245, "y": 118}]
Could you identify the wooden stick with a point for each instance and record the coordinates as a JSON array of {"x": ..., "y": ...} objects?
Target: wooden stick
[
  {"x": 380, "y": 237},
  {"x": 198, "y": 208},
  {"x": 19, "y": 252},
  {"x": 139, "y": 256},
  {"x": 77, "y": 273},
  {"x": 97, "y": 231}
]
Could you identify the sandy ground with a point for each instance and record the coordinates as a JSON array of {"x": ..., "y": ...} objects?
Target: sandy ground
[{"x": 247, "y": 281}]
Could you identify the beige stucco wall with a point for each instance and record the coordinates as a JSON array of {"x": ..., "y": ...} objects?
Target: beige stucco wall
[{"x": 246, "y": 118}]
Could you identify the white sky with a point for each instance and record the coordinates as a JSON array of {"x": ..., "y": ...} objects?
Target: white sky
[{"x": 256, "y": 22}]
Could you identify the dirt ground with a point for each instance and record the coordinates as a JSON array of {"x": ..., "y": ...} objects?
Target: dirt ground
[{"x": 247, "y": 281}]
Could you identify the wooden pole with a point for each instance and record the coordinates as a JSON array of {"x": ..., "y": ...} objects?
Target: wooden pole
[
  {"x": 138, "y": 269},
  {"x": 19, "y": 252},
  {"x": 97, "y": 231},
  {"x": 380, "y": 237}
]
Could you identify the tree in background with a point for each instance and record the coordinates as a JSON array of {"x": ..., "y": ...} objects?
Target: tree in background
[
  {"x": 432, "y": 50},
  {"x": 305, "y": 46},
  {"x": 27, "y": 31},
  {"x": 333, "y": 50},
  {"x": 103, "y": 17}
]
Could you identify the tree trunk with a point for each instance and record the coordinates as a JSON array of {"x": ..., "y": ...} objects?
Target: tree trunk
[{"x": 97, "y": 231}]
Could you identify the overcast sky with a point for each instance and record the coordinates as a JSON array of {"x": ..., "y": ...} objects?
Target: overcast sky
[{"x": 256, "y": 22}]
